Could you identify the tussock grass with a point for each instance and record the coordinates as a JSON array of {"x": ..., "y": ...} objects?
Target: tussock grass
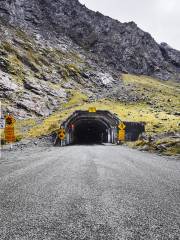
[
  {"x": 126, "y": 112},
  {"x": 162, "y": 95},
  {"x": 157, "y": 120}
]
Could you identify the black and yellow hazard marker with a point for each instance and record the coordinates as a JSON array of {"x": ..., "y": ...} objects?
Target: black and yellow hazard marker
[
  {"x": 61, "y": 134},
  {"x": 122, "y": 126},
  {"x": 9, "y": 120},
  {"x": 9, "y": 132},
  {"x": 121, "y": 132}
]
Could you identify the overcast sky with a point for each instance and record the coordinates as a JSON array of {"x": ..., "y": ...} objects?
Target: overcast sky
[{"x": 161, "y": 18}]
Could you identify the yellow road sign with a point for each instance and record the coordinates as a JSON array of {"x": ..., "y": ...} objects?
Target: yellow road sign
[
  {"x": 62, "y": 136},
  {"x": 9, "y": 133},
  {"x": 9, "y": 128},
  {"x": 62, "y": 130},
  {"x": 122, "y": 126},
  {"x": 121, "y": 135},
  {"x": 92, "y": 109},
  {"x": 9, "y": 120},
  {"x": 61, "y": 133}
]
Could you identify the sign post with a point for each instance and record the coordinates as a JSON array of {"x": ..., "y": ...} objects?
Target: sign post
[
  {"x": 9, "y": 129},
  {"x": 121, "y": 132},
  {"x": 2, "y": 126},
  {"x": 121, "y": 135},
  {"x": 61, "y": 135}
]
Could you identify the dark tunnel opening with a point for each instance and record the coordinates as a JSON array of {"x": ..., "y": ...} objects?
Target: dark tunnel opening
[
  {"x": 90, "y": 132},
  {"x": 96, "y": 127}
]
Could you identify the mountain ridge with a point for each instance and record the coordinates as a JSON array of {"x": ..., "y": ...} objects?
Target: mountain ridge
[{"x": 122, "y": 46}]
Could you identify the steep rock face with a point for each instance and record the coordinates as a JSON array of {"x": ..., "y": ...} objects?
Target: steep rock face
[
  {"x": 38, "y": 76},
  {"x": 170, "y": 54},
  {"x": 121, "y": 46}
]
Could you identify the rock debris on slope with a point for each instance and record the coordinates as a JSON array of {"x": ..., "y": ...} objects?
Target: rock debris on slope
[{"x": 64, "y": 46}]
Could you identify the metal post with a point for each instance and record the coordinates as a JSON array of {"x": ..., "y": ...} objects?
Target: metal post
[
  {"x": 109, "y": 136},
  {"x": 113, "y": 140}
]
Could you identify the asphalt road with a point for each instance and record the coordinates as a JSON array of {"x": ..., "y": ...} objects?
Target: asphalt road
[{"x": 88, "y": 192}]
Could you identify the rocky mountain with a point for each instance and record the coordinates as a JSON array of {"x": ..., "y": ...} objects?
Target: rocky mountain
[
  {"x": 121, "y": 45},
  {"x": 48, "y": 49}
]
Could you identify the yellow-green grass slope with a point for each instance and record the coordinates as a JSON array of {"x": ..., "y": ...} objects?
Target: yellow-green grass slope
[
  {"x": 163, "y": 98},
  {"x": 158, "y": 111}
]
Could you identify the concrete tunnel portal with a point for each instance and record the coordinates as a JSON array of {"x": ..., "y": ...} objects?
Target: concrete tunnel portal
[
  {"x": 84, "y": 127},
  {"x": 96, "y": 127}
]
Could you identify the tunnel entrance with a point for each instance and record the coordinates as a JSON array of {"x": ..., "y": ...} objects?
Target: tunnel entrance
[
  {"x": 90, "y": 132},
  {"x": 97, "y": 127},
  {"x": 84, "y": 127}
]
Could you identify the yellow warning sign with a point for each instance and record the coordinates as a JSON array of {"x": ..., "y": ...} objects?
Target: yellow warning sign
[
  {"x": 9, "y": 133},
  {"x": 9, "y": 120},
  {"x": 92, "y": 109},
  {"x": 9, "y": 128},
  {"x": 121, "y": 135},
  {"x": 122, "y": 126},
  {"x": 61, "y": 134}
]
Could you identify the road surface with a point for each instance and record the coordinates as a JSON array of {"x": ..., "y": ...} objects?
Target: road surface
[{"x": 88, "y": 192}]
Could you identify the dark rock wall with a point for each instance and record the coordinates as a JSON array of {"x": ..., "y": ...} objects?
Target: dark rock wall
[{"x": 122, "y": 46}]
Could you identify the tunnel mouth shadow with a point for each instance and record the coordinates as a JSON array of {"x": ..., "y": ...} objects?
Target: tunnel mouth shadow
[{"x": 90, "y": 132}]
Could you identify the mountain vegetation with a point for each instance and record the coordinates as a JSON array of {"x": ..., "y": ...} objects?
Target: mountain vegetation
[{"x": 59, "y": 56}]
